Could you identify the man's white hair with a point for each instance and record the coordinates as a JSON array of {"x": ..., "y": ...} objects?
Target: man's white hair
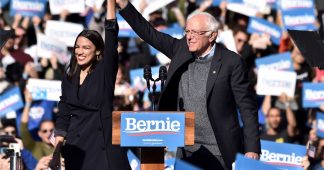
[{"x": 212, "y": 24}]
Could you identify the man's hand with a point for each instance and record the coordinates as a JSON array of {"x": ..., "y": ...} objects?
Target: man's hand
[{"x": 252, "y": 155}]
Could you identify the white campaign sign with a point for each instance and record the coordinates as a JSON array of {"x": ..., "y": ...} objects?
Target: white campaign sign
[
  {"x": 226, "y": 37},
  {"x": 249, "y": 7},
  {"x": 73, "y": 6},
  {"x": 94, "y": 3},
  {"x": 47, "y": 46},
  {"x": 152, "y": 5},
  {"x": 274, "y": 82},
  {"x": 44, "y": 89},
  {"x": 63, "y": 31}
]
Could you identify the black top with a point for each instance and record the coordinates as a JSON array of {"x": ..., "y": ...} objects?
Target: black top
[{"x": 85, "y": 113}]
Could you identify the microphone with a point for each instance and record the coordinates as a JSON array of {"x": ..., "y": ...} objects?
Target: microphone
[
  {"x": 147, "y": 76},
  {"x": 162, "y": 75}
]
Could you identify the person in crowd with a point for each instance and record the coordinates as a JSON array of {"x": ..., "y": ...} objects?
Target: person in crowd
[
  {"x": 28, "y": 160},
  {"x": 280, "y": 127},
  {"x": 241, "y": 38},
  {"x": 85, "y": 107},
  {"x": 124, "y": 93},
  {"x": 10, "y": 55},
  {"x": 206, "y": 78},
  {"x": 46, "y": 127}
]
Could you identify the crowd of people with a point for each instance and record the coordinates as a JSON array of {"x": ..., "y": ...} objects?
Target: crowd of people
[{"x": 285, "y": 118}]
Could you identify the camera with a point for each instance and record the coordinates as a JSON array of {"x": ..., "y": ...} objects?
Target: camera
[{"x": 11, "y": 149}]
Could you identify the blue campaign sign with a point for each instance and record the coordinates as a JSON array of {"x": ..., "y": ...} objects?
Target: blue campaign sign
[
  {"x": 313, "y": 95},
  {"x": 280, "y": 61},
  {"x": 152, "y": 129},
  {"x": 39, "y": 111},
  {"x": 28, "y": 7},
  {"x": 258, "y": 25},
  {"x": 282, "y": 155},
  {"x": 320, "y": 124},
  {"x": 3, "y": 3},
  {"x": 175, "y": 31},
  {"x": 137, "y": 80},
  {"x": 299, "y": 19},
  {"x": 124, "y": 28},
  {"x": 244, "y": 163},
  {"x": 285, "y": 5},
  {"x": 10, "y": 101}
]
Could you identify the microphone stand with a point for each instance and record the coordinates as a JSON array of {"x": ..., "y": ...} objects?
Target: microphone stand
[
  {"x": 148, "y": 78},
  {"x": 154, "y": 94}
]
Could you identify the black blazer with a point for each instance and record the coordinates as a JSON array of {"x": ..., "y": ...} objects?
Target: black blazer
[
  {"x": 85, "y": 113},
  {"x": 227, "y": 88}
]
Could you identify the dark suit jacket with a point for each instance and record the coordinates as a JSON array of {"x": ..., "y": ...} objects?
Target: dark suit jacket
[
  {"x": 227, "y": 88},
  {"x": 85, "y": 114}
]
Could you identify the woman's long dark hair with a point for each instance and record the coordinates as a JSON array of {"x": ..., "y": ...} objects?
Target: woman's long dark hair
[{"x": 97, "y": 40}]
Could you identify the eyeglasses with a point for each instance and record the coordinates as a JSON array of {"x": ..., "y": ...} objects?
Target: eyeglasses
[
  {"x": 194, "y": 33},
  {"x": 46, "y": 130}
]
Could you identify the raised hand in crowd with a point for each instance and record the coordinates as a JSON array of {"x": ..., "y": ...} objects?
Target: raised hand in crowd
[
  {"x": 260, "y": 41},
  {"x": 64, "y": 14},
  {"x": 36, "y": 20}
]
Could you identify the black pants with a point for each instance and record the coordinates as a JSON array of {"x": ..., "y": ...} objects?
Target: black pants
[{"x": 201, "y": 158}]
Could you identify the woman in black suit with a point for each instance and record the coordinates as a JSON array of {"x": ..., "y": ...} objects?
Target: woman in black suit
[{"x": 84, "y": 120}]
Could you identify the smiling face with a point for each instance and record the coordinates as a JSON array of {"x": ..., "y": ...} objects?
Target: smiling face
[
  {"x": 199, "y": 36},
  {"x": 85, "y": 52}
]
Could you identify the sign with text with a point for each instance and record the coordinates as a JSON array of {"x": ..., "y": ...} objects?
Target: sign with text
[
  {"x": 285, "y": 5},
  {"x": 28, "y": 7},
  {"x": 44, "y": 89},
  {"x": 258, "y": 25},
  {"x": 47, "y": 46},
  {"x": 152, "y": 129},
  {"x": 274, "y": 82},
  {"x": 63, "y": 31},
  {"x": 244, "y": 163},
  {"x": 73, "y": 6},
  {"x": 279, "y": 62},
  {"x": 313, "y": 95},
  {"x": 299, "y": 19},
  {"x": 282, "y": 155},
  {"x": 10, "y": 101},
  {"x": 247, "y": 7}
]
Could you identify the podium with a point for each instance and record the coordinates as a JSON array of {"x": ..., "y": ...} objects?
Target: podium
[{"x": 152, "y": 157}]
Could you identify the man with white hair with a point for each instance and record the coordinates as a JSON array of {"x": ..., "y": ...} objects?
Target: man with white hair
[{"x": 206, "y": 78}]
